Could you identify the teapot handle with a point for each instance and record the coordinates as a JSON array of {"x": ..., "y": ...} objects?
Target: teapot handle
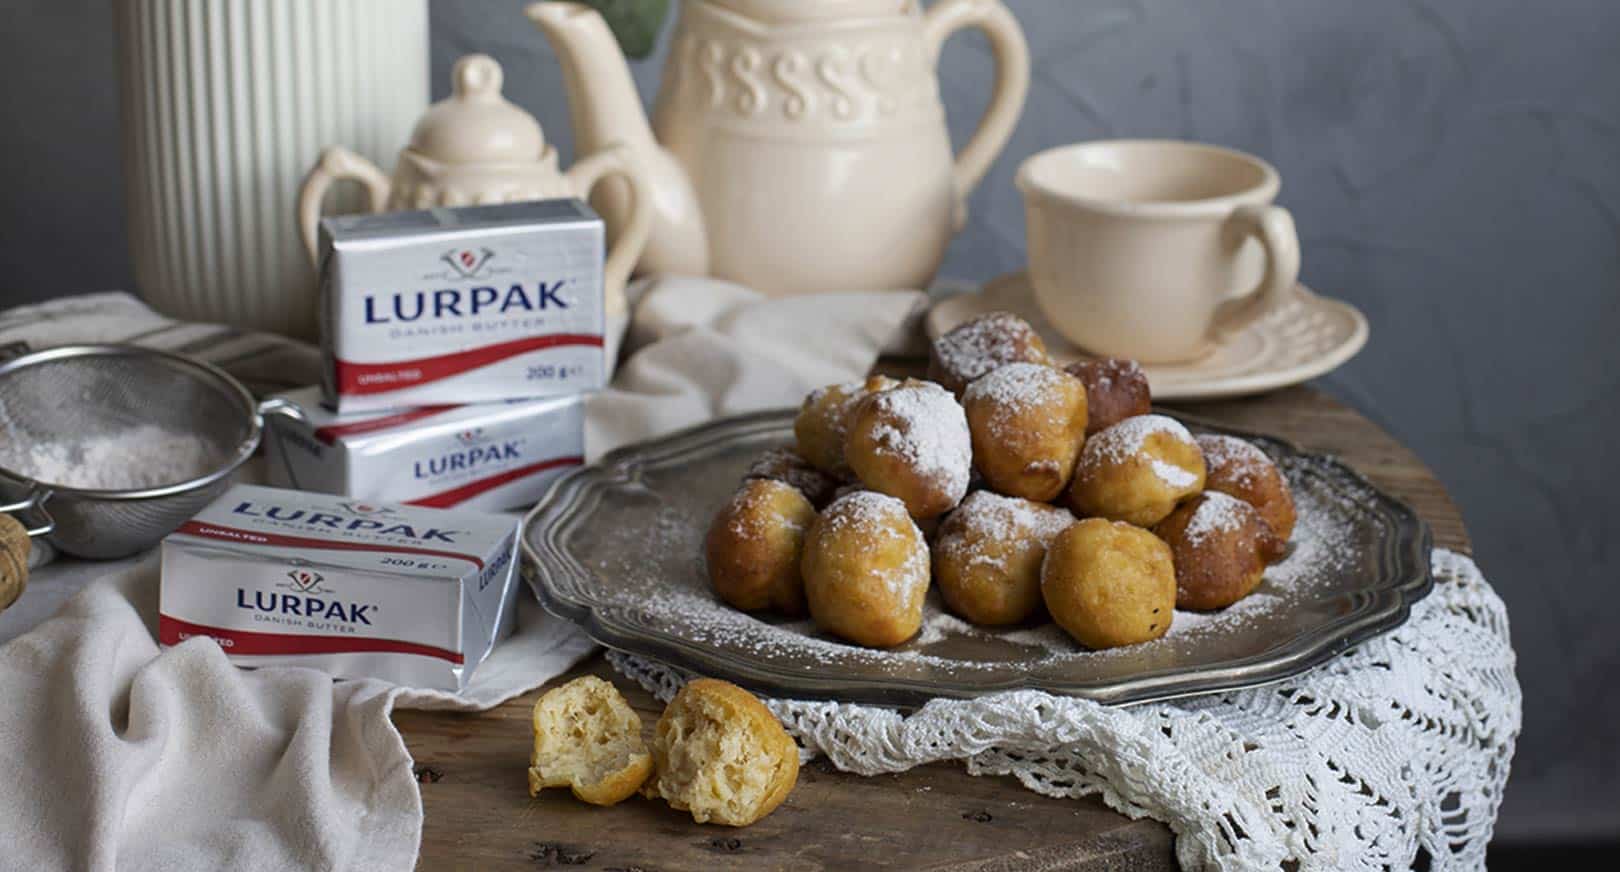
[
  {"x": 336, "y": 164},
  {"x": 1012, "y": 83},
  {"x": 618, "y": 160}
]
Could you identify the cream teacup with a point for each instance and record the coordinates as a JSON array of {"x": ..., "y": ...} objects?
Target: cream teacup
[{"x": 1136, "y": 247}]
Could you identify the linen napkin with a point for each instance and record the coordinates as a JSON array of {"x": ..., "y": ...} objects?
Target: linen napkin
[{"x": 120, "y": 755}]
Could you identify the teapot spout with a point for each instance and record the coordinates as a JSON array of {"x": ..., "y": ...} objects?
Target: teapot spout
[{"x": 605, "y": 110}]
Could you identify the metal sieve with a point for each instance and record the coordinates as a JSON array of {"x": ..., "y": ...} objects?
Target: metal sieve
[{"x": 65, "y": 396}]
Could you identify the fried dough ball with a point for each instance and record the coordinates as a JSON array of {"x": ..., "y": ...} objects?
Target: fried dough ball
[
  {"x": 1028, "y": 422},
  {"x": 1221, "y": 548},
  {"x": 987, "y": 558},
  {"x": 781, "y": 464},
  {"x": 720, "y": 754},
  {"x": 754, "y": 546},
  {"x": 824, "y": 420},
  {"x": 975, "y": 348},
  {"x": 1137, "y": 470},
  {"x": 1116, "y": 388},
  {"x": 866, "y": 570},
  {"x": 912, "y": 442},
  {"x": 1108, "y": 583},
  {"x": 587, "y": 738},
  {"x": 1241, "y": 469}
]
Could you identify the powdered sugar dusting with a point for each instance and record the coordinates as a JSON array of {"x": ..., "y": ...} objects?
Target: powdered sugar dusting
[
  {"x": 1126, "y": 439},
  {"x": 986, "y": 521},
  {"x": 1019, "y": 386},
  {"x": 1216, "y": 513},
  {"x": 870, "y": 518},
  {"x": 983, "y": 344},
  {"x": 1238, "y": 460},
  {"x": 780, "y": 464},
  {"x": 751, "y": 515},
  {"x": 647, "y": 567},
  {"x": 924, "y": 426},
  {"x": 138, "y": 458}
]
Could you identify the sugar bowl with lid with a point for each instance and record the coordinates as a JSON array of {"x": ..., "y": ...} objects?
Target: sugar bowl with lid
[{"x": 475, "y": 148}]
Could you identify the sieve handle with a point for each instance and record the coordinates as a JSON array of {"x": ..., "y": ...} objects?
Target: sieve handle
[
  {"x": 283, "y": 407},
  {"x": 15, "y": 543},
  {"x": 292, "y": 411}
]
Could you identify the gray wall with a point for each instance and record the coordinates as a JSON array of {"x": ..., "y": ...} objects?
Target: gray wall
[{"x": 1454, "y": 166}]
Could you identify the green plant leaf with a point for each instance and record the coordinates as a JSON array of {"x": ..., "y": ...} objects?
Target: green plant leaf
[{"x": 635, "y": 23}]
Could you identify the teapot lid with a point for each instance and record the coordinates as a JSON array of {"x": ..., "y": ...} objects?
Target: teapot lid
[{"x": 475, "y": 124}]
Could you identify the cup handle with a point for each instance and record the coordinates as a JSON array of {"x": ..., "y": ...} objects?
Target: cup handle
[
  {"x": 1273, "y": 226},
  {"x": 336, "y": 164},
  {"x": 618, "y": 160},
  {"x": 1012, "y": 84}
]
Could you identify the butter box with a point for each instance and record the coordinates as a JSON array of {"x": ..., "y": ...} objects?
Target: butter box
[
  {"x": 414, "y": 596},
  {"x": 462, "y": 305},
  {"x": 489, "y": 456}
]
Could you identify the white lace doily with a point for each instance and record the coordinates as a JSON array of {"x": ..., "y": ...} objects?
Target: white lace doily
[{"x": 1400, "y": 746}]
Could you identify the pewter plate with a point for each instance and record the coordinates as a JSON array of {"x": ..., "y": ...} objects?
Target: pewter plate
[{"x": 617, "y": 547}]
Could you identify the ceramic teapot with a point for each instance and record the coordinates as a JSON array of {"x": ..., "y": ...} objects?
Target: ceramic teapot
[
  {"x": 476, "y": 148},
  {"x": 799, "y": 147}
]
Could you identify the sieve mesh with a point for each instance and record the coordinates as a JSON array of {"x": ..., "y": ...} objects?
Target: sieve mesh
[{"x": 75, "y": 400}]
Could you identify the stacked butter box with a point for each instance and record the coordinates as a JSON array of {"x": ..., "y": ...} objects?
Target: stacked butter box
[{"x": 459, "y": 345}]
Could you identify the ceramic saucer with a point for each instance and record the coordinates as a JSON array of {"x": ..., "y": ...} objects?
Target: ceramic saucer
[{"x": 1297, "y": 339}]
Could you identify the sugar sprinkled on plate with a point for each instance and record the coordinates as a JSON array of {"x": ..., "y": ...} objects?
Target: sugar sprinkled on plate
[{"x": 672, "y": 595}]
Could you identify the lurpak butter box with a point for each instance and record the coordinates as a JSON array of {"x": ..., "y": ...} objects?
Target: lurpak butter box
[
  {"x": 414, "y": 596},
  {"x": 462, "y": 305},
  {"x": 490, "y": 456}
]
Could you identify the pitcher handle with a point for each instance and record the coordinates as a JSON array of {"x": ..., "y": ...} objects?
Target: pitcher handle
[
  {"x": 1273, "y": 226},
  {"x": 1012, "y": 83},
  {"x": 618, "y": 160},
  {"x": 336, "y": 164}
]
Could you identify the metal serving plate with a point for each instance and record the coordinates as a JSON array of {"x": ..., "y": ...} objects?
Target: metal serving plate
[{"x": 617, "y": 547}]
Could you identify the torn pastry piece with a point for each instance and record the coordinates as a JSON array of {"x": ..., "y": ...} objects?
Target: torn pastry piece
[
  {"x": 588, "y": 738},
  {"x": 720, "y": 754}
]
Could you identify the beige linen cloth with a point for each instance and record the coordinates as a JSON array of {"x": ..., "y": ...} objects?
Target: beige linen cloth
[{"x": 115, "y": 754}]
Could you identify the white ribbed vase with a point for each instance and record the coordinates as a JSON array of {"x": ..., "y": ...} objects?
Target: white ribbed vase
[{"x": 226, "y": 105}]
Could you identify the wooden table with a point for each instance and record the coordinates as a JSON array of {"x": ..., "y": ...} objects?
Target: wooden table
[{"x": 479, "y": 814}]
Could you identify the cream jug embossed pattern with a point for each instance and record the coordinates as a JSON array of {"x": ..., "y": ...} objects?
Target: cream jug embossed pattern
[
  {"x": 800, "y": 147},
  {"x": 475, "y": 148}
]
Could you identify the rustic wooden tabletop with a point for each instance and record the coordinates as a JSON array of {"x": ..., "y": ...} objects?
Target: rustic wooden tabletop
[{"x": 479, "y": 814}]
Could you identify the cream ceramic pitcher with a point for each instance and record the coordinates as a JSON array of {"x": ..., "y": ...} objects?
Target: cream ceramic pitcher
[
  {"x": 476, "y": 148},
  {"x": 800, "y": 147}
]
